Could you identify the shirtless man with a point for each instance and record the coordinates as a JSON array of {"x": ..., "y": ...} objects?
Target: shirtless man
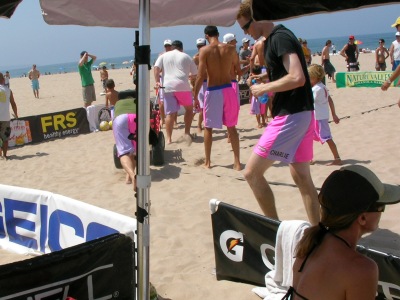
[
  {"x": 257, "y": 55},
  {"x": 220, "y": 102},
  {"x": 326, "y": 62}
]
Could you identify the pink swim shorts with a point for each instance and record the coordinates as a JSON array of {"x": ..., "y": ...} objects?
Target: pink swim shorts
[{"x": 288, "y": 138}]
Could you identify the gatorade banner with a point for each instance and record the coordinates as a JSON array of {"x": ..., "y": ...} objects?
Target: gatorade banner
[
  {"x": 101, "y": 269},
  {"x": 362, "y": 79},
  {"x": 36, "y": 129},
  {"x": 244, "y": 246}
]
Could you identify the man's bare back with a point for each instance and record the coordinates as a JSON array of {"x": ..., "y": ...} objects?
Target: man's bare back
[
  {"x": 219, "y": 59},
  {"x": 111, "y": 97}
]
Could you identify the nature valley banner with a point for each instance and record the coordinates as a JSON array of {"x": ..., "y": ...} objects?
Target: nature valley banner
[{"x": 362, "y": 79}]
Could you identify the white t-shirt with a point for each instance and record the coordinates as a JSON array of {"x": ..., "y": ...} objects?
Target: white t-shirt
[
  {"x": 321, "y": 104},
  {"x": 176, "y": 67},
  {"x": 396, "y": 50},
  {"x": 4, "y": 103}
]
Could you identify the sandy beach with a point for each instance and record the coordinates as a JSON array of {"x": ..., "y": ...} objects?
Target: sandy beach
[{"x": 181, "y": 252}]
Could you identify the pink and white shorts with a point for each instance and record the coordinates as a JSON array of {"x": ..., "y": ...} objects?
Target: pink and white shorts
[
  {"x": 288, "y": 138},
  {"x": 220, "y": 107},
  {"x": 173, "y": 101}
]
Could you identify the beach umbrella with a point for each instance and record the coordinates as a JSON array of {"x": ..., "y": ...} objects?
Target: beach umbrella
[
  {"x": 103, "y": 63},
  {"x": 358, "y": 42}
]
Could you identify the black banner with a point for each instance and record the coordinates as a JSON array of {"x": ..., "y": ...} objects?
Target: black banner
[
  {"x": 244, "y": 246},
  {"x": 103, "y": 268},
  {"x": 244, "y": 92},
  {"x": 36, "y": 129}
]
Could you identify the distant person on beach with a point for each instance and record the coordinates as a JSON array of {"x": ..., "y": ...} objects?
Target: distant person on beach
[
  {"x": 333, "y": 49},
  {"x": 221, "y": 106},
  {"x": 381, "y": 53},
  {"x": 34, "y": 75},
  {"x": 133, "y": 73},
  {"x": 160, "y": 89},
  {"x": 322, "y": 103},
  {"x": 307, "y": 52},
  {"x": 256, "y": 107},
  {"x": 392, "y": 78},
  {"x": 350, "y": 53},
  {"x": 200, "y": 43},
  {"x": 394, "y": 51},
  {"x": 124, "y": 125},
  {"x": 111, "y": 96},
  {"x": 244, "y": 56},
  {"x": 328, "y": 265},
  {"x": 85, "y": 71},
  {"x": 7, "y": 78},
  {"x": 104, "y": 77},
  {"x": 177, "y": 67},
  {"x": 326, "y": 61},
  {"x": 257, "y": 54},
  {"x": 293, "y": 111},
  {"x": 6, "y": 100}
]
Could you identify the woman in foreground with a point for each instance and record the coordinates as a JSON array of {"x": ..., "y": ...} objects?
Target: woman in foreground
[{"x": 327, "y": 264}]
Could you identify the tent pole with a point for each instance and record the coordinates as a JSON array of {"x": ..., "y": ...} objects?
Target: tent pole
[{"x": 143, "y": 163}]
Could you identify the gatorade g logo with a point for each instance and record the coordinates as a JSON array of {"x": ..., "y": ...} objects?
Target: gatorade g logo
[
  {"x": 58, "y": 122},
  {"x": 231, "y": 243}
]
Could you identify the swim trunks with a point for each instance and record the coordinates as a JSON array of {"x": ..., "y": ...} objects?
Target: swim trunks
[
  {"x": 328, "y": 67},
  {"x": 5, "y": 130},
  {"x": 322, "y": 131},
  {"x": 256, "y": 108},
  {"x": 235, "y": 86},
  {"x": 173, "y": 101},
  {"x": 123, "y": 126},
  {"x": 201, "y": 93},
  {"x": 220, "y": 107},
  {"x": 35, "y": 84},
  {"x": 288, "y": 138}
]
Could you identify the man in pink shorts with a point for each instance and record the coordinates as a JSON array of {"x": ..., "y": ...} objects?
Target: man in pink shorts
[
  {"x": 289, "y": 136},
  {"x": 177, "y": 67},
  {"x": 221, "y": 106}
]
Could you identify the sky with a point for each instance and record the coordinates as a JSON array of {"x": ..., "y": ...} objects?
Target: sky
[{"x": 27, "y": 39}]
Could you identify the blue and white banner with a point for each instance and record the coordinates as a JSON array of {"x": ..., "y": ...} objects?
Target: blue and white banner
[{"x": 37, "y": 222}]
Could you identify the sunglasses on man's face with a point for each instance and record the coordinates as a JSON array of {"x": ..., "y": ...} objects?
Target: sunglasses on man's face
[
  {"x": 376, "y": 208},
  {"x": 247, "y": 25}
]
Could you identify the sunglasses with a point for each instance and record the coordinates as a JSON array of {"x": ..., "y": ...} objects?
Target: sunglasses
[
  {"x": 376, "y": 208},
  {"x": 247, "y": 25}
]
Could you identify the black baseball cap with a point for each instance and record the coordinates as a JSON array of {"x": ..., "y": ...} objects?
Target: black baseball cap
[
  {"x": 83, "y": 53},
  {"x": 354, "y": 189}
]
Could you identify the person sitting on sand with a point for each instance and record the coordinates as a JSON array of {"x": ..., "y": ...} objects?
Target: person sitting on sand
[
  {"x": 322, "y": 103},
  {"x": 327, "y": 264}
]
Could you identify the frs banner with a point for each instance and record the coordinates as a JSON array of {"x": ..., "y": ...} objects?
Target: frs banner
[
  {"x": 36, "y": 129},
  {"x": 37, "y": 222},
  {"x": 244, "y": 92},
  {"x": 244, "y": 246},
  {"x": 100, "y": 269},
  {"x": 362, "y": 79}
]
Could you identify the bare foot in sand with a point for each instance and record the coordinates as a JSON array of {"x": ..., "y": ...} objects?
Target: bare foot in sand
[
  {"x": 199, "y": 129},
  {"x": 237, "y": 167},
  {"x": 336, "y": 162},
  {"x": 128, "y": 179}
]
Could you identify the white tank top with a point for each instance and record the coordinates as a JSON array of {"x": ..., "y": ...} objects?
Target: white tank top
[
  {"x": 396, "y": 50},
  {"x": 4, "y": 103}
]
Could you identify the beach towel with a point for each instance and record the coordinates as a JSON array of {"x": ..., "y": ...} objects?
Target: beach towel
[{"x": 277, "y": 281}]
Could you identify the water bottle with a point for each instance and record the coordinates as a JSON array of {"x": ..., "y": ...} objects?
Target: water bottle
[{"x": 263, "y": 98}]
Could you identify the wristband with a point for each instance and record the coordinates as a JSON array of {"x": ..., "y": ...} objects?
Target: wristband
[{"x": 388, "y": 81}]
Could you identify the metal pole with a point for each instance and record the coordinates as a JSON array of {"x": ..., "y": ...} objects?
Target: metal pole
[{"x": 143, "y": 162}]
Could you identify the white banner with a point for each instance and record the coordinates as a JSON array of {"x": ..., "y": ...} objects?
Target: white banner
[{"x": 36, "y": 222}]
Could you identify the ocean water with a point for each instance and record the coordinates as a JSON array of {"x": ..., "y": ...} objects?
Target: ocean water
[{"x": 369, "y": 41}]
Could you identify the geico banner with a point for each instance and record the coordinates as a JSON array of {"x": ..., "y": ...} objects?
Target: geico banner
[
  {"x": 244, "y": 246},
  {"x": 42, "y": 222},
  {"x": 100, "y": 269},
  {"x": 36, "y": 129}
]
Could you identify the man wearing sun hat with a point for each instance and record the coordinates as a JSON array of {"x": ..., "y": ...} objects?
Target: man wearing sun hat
[{"x": 397, "y": 24}]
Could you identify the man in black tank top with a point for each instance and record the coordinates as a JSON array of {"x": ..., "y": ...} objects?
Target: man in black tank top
[{"x": 350, "y": 53}]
